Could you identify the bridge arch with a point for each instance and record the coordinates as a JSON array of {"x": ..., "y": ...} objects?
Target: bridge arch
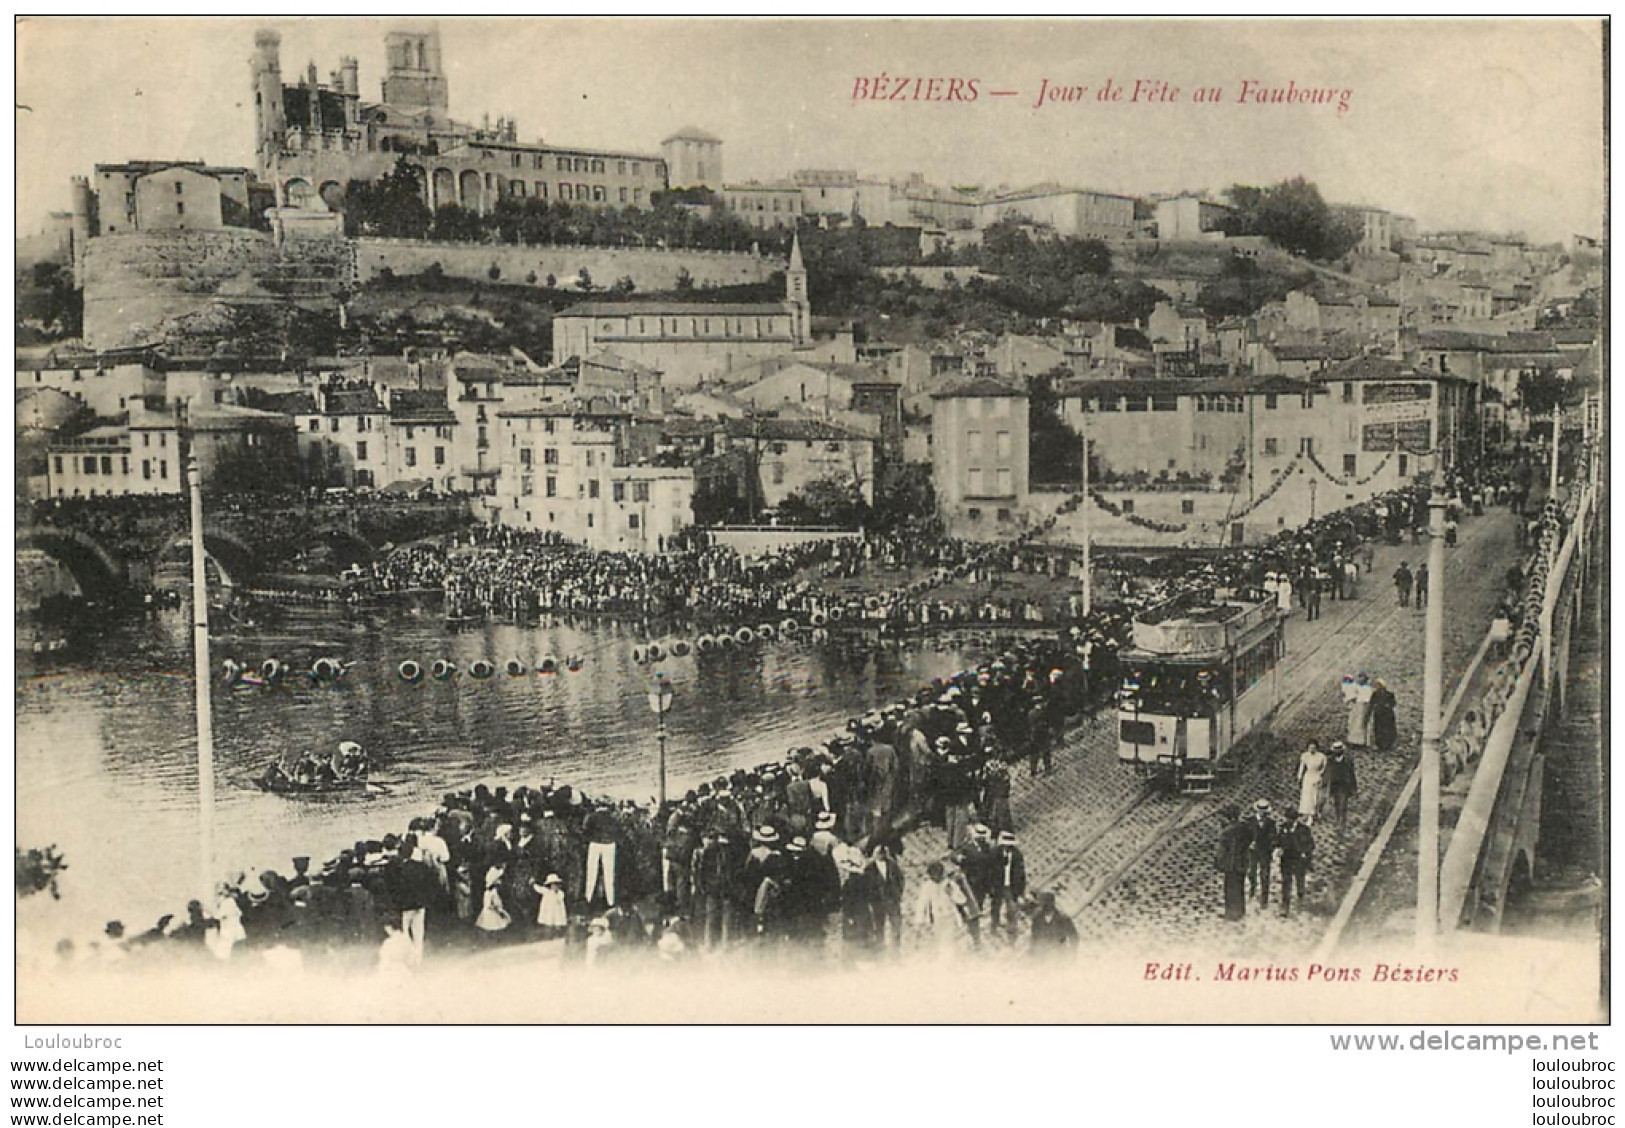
[
  {"x": 231, "y": 555},
  {"x": 347, "y": 545},
  {"x": 99, "y": 574}
]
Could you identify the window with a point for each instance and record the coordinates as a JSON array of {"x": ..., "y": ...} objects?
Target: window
[
  {"x": 525, "y": 459},
  {"x": 107, "y": 464},
  {"x": 163, "y": 469},
  {"x": 1351, "y": 464},
  {"x": 617, "y": 491},
  {"x": 973, "y": 443},
  {"x": 623, "y": 195},
  {"x": 1002, "y": 444},
  {"x": 1271, "y": 448},
  {"x": 146, "y": 469},
  {"x": 640, "y": 491},
  {"x": 90, "y": 464},
  {"x": 1306, "y": 445},
  {"x": 1164, "y": 403},
  {"x": 973, "y": 513},
  {"x": 550, "y": 455},
  {"x": 564, "y": 164},
  {"x": 1003, "y": 515},
  {"x": 314, "y": 426},
  {"x": 592, "y": 488},
  {"x": 1404, "y": 465},
  {"x": 361, "y": 452},
  {"x": 1187, "y": 506},
  {"x": 179, "y": 188},
  {"x": 1270, "y": 402},
  {"x": 1135, "y": 403},
  {"x": 527, "y": 485},
  {"x": 180, "y": 208},
  {"x": 620, "y": 168},
  {"x": 632, "y": 521},
  {"x": 541, "y": 188},
  {"x": 1348, "y": 392},
  {"x": 1006, "y": 481},
  {"x": 778, "y": 473},
  {"x": 552, "y": 487},
  {"x": 974, "y": 482},
  {"x": 599, "y": 195},
  {"x": 564, "y": 191},
  {"x": 1108, "y": 404},
  {"x": 1309, "y": 401},
  {"x": 58, "y": 462},
  {"x": 334, "y": 426},
  {"x": 411, "y": 456},
  {"x": 1001, "y": 408},
  {"x": 1128, "y": 505}
]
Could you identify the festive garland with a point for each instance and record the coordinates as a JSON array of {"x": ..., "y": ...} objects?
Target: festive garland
[
  {"x": 1346, "y": 482},
  {"x": 1273, "y": 489},
  {"x": 1133, "y": 518}
]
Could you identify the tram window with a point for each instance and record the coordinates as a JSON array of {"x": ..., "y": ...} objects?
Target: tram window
[{"x": 1139, "y": 732}]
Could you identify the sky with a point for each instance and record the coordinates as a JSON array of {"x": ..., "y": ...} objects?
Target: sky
[{"x": 1493, "y": 125}]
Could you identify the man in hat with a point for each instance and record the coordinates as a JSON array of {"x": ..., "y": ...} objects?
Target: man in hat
[
  {"x": 888, "y": 887},
  {"x": 1297, "y": 845},
  {"x": 762, "y": 880},
  {"x": 824, "y": 838},
  {"x": 712, "y": 881},
  {"x": 1261, "y": 857},
  {"x": 1053, "y": 933},
  {"x": 1009, "y": 881},
  {"x": 1231, "y": 860}
]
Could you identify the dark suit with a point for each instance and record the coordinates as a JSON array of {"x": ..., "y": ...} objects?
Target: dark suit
[
  {"x": 1235, "y": 846},
  {"x": 1262, "y": 856},
  {"x": 1009, "y": 883},
  {"x": 1297, "y": 844},
  {"x": 889, "y": 889}
]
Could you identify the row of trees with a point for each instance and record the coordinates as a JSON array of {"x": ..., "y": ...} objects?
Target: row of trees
[
  {"x": 1294, "y": 217},
  {"x": 393, "y": 207}
]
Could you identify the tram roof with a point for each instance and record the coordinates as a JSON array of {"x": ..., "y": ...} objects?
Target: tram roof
[{"x": 1200, "y": 626}]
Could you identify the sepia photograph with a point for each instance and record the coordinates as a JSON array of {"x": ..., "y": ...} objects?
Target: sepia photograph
[{"x": 564, "y": 520}]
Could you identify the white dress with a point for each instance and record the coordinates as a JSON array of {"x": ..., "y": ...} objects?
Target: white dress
[{"x": 1311, "y": 772}]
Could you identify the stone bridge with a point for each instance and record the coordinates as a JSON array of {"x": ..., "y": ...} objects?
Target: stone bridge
[
  {"x": 117, "y": 546},
  {"x": 1495, "y": 862}
]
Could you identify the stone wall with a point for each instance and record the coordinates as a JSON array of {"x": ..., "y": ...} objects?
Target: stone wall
[
  {"x": 758, "y": 541},
  {"x": 650, "y": 270},
  {"x": 135, "y": 284}
]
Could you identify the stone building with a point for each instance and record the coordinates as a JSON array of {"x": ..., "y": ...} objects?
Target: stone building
[
  {"x": 166, "y": 196},
  {"x": 312, "y": 138},
  {"x": 979, "y": 457}
]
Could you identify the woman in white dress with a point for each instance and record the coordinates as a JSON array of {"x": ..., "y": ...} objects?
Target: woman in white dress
[
  {"x": 551, "y": 917},
  {"x": 937, "y": 918},
  {"x": 1358, "y": 696},
  {"x": 493, "y": 916},
  {"x": 1311, "y": 774}
]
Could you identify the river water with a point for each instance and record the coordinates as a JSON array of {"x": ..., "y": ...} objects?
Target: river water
[{"x": 106, "y": 751}]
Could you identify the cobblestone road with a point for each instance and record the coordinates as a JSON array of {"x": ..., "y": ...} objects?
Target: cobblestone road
[{"x": 1135, "y": 869}]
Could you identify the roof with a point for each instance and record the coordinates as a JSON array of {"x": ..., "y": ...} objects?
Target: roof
[
  {"x": 982, "y": 387},
  {"x": 291, "y": 403},
  {"x": 791, "y": 430},
  {"x": 142, "y": 168},
  {"x": 1374, "y": 368},
  {"x": 693, "y": 133},
  {"x": 1325, "y": 350},
  {"x": 1174, "y": 386},
  {"x": 410, "y": 405},
  {"x": 353, "y": 401},
  {"x": 672, "y": 308}
]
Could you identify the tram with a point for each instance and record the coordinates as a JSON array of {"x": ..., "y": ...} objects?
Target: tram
[{"x": 1202, "y": 675}]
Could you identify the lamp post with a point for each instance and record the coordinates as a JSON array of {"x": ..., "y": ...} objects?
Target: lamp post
[
  {"x": 1083, "y": 508},
  {"x": 660, "y": 697},
  {"x": 201, "y": 675}
]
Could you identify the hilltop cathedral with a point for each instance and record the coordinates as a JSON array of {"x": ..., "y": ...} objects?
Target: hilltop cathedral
[{"x": 312, "y": 139}]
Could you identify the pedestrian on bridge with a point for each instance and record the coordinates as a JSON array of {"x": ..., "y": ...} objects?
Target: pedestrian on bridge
[
  {"x": 1261, "y": 857},
  {"x": 1340, "y": 780},
  {"x": 1421, "y": 586},
  {"x": 1402, "y": 583},
  {"x": 1384, "y": 718},
  {"x": 1311, "y": 782}
]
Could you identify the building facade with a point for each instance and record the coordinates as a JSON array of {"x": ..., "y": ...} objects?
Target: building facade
[{"x": 979, "y": 458}]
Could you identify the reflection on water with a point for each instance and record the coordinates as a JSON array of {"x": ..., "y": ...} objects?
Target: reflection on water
[{"x": 106, "y": 765}]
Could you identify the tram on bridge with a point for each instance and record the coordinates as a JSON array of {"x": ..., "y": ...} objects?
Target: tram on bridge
[{"x": 1202, "y": 676}]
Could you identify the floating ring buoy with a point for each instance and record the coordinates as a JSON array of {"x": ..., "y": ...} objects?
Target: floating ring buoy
[
  {"x": 481, "y": 669},
  {"x": 443, "y": 669},
  {"x": 549, "y": 665},
  {"x": 725, "y": 640},
  {"x": 271, "y": 669},
  {"x": 656, "y": 652},
  {"x": 872, "y": 602},
  {"x": 326, "y": 668},
  {"x": 789, "y": 627},
  {"x": 516, "y": 668},
  {"x": 765, "y": 632},
  {"x": 640, "y": 655},
  {"x": 836, "y": 614},
  {"x": 705, "y": 644},
  {"x": 744, "y": 636},
  {"x": 574, "y": 663},
  {"x": 410, "y": 671},
  {"x": 818, "y": 618},
  {"x": 681, "y": 648}
]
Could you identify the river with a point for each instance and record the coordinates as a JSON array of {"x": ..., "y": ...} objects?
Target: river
[{"x": 106, "y": 751}]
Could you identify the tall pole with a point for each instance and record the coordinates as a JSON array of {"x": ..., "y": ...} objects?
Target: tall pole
[
  {"x": 1427, "y": 869},
  {"x": 201, "y": 674},
  {"x": 1557, "y": 441},
  {"x": 1083, "y": 508},
  {"x": 662, "y": 792}
]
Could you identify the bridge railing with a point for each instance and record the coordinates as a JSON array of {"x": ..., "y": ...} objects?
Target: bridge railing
[{"x": 1508, "y": 749}]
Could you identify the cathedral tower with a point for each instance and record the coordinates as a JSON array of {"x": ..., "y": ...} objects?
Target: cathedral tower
[
  {"x": 795, "y": 293},
  {"x": 270, "y": 123},
  {"x": 412, "y": 78}
]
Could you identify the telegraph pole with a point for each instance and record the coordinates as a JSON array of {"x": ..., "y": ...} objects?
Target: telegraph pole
[
  {"x": 1557, "y": 441},
  {"x": 1083, "y": 508},
  {"x": 201, "y": 674},
  {"x": 1427, "y": 869}
]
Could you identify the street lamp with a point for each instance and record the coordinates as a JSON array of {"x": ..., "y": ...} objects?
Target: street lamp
[{"x": 660, "y": 697}]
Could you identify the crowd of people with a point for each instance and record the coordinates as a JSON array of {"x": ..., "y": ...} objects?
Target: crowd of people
[{"x": 800, "y": 855}]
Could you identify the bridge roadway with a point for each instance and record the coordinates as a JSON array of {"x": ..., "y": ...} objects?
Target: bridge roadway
[{"x": 1135, "y": 868}]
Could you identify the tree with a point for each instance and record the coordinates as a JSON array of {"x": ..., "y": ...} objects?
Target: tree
[
  {"x": 584, "y": 281},
  {"x": 1056, "y": 449},
  {"x": 1294, "y": 217},
  {"x": 835, "y": 500},
  {"x": 391, "y": 206},
  {"x": 38, "y": 870},
  {"x": 903, "y": 493},
  {"x": 1540, "y": 390}
]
